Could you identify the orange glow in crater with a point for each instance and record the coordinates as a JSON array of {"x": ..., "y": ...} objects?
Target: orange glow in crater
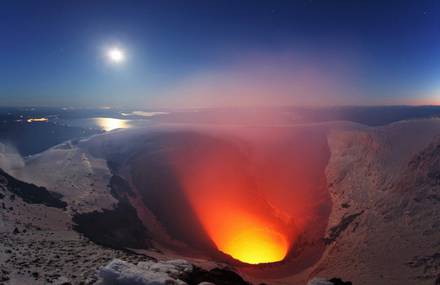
[
  {"x": 250, "y": 239},
  {"x": 230, "y": 206}
]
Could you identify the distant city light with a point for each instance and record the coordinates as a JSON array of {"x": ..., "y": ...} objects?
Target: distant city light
[{"x": 32, "y": 120}]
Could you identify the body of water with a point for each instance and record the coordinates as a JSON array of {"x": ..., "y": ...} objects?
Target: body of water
[{"x": 103, "y": 123}]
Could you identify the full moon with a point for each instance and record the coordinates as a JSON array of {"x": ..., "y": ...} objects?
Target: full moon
[{"x": 116, "y": 55}]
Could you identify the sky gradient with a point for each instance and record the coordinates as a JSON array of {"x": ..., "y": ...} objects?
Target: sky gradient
[{"x": 219, "y": 53}]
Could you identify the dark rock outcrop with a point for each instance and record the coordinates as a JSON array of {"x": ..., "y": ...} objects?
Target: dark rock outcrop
[
  {"x": 216, "y": 276},
  {"x": 31, "y": 193},
  {"x": 333, "y": 281},
  {"x": 117, "y": 228},
  {"x": 338, "y": 281},
  {"x": 339, "y": 228}
]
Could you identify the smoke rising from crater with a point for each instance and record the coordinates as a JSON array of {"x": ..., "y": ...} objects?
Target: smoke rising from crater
[
  {"x": 290, "y": 78},
  {"x": 10, "y": 159}
]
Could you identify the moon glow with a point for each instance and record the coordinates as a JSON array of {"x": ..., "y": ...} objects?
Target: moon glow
[{"x": 116, "y": 55}]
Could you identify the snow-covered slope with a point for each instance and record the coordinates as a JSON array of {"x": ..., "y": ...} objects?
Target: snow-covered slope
[
  {"x": 384, "y": 227},
  {"x": 67, "y": 169}
]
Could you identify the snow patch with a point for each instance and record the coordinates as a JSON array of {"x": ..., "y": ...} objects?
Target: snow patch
[
  {"x": 119, "y": 272},
  {"x": 319, "y": 281}
]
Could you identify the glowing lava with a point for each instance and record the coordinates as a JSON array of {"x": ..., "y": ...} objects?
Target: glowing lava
[
  {"x": 256, "y": 245},
  {"x": 250, "y": 238},
  {"x": 225, "y": 198}
]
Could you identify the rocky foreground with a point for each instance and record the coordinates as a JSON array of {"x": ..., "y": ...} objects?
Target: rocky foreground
[{"x": 37, "y": 243}]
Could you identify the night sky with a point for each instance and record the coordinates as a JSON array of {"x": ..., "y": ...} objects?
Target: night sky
[{"x": 219, "y": 53}]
